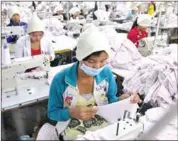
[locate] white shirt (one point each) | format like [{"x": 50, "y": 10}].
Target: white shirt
[{"x": 23, "y": 47}]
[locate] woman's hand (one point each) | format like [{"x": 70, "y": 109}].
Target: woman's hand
[
  {"x": 134, "y": 97},
  {"x": 83, "y": 113}
]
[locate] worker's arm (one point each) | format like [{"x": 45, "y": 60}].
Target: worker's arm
[
  {"x": 56, "y": 110},
  {"x": 112, "y": 89}
]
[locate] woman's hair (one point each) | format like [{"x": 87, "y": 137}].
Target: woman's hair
[
  {"x": 135, "y": 23},
  {"x": 93, "y": 54},
  {"x": 95, "y": 9},
  {"x": 154, "y": 5}
]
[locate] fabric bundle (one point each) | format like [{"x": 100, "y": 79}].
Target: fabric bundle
[
  {"x": 156, "y": 77},
  {"x": 154, "y": 115}
]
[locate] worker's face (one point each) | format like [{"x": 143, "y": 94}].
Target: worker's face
[
  {"x": 36, "y": 36},
  {"x": 16, "y": 18},
  {"x": 97, "y": 61},
  {"x": 142, "y": 28},
  {"x": 77, "y": 14}
]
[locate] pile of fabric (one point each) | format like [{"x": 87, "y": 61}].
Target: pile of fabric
[
  {"x": 156, "y": 77},
  {"x": 124, "y": 54},
  {"x": 152, "y": 116},
  {"x": 54, "y": 26}
]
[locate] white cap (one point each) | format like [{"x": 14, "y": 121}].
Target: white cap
[
  {"x": 58, "y": 8},
  {"x": 74, "y": 10},
  {"x": 13, "y": 10},
  {"x": 35, "y": 24},
  {"x": 90, "y": 41},
  {"x": 144, "y": 20}
]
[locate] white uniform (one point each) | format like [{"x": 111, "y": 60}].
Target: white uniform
[{"x": 23, "y": 47}]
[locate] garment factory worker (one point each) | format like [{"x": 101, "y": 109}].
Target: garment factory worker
[
  {"x": 76, "y": 91},
  {"x": 74, "y": 12},
  {"x": 138, "y": 30},
  {"x": 35, "y": 43},
  {"x": 14, "y": 16},
  {"x": 151, "y": 8}
]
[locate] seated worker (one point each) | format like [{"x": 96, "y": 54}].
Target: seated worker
[
  {"x": 76, "y": 91},
  {"x": 151, "y": 8},
  {"x": 35, "y": 43},
  {"x": 75, "y": 13},
  {"x": 14, "y": 16},
  {"x": 138, "y": 30}
]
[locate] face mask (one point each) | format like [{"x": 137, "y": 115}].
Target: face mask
[{"x": 91, "y": 71}]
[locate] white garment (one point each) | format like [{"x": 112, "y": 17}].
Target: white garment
[
  {"x": 47, "y": 132},
  {"x": 23, "y": 47},
  {"x": 102, "y": 15},
  {"x": 156, "y": 77},
  {"x": 153, "y": 115}
]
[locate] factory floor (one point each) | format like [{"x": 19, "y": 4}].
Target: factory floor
[{"x": 22, "y": 121}]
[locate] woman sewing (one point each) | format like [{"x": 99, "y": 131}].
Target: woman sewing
[
  {"x": 138, "y": 30},
  {"x": 76, "y": 92},
  {"x": 35, "y": 43}
]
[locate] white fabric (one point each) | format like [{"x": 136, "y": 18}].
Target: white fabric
[
  {"x": 13, "y": 10},
  {"x": 47, "y": 132},
  {"x": 102, "y": 15},
  {"x": 123, "y": 51},
  {"x": 144, "y": 20},
  {"x": 134, "y": 5},
  {"x": 35, "y": 24},
  {"x": 91, "y": 41},
  {"x": 54, "y": 26},
  {"x": 23, "y": 46},
  {"x": 88, "y": 26},
  {"x": 25, "y": 14},
  {"x": 156, "y": 77},
  {"x": 155, "y": 114}
]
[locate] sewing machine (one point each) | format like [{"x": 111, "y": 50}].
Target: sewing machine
[
  {"x": 12, "y": 30},
  {"x": 125, "y": 129},
  {"x": 145, "y": 46},
  {"x": 15, "y": 82},
  {"x": 9, "y": 31}
]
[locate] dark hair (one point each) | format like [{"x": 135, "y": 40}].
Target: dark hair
[
  {"x": 154, "y": 5},
  {"x": 135, "y": 23},
  {"x": 107, "y": 7},
  {"x": 93, "y": 54},
  {"x": 95, "y": 9}
]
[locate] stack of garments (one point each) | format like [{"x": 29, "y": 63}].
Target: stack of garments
[
  {"x": 54, "y": 26},
  {"x": 152, "y": 116},
  {"x": 156, "y": 77},
  {"x": 124, "y": 55}
]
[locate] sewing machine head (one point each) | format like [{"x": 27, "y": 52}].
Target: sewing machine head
[
  {"x": 127, "y": 128},
  {"x": 145, "y": 46},
  {"x": 12, "y": 30},
  {"x": 11, "y": 79}
]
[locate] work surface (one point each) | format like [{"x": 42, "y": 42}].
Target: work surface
[
  {"x": 39, "y": 91},
  {"x": 24, "y": 97}
]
